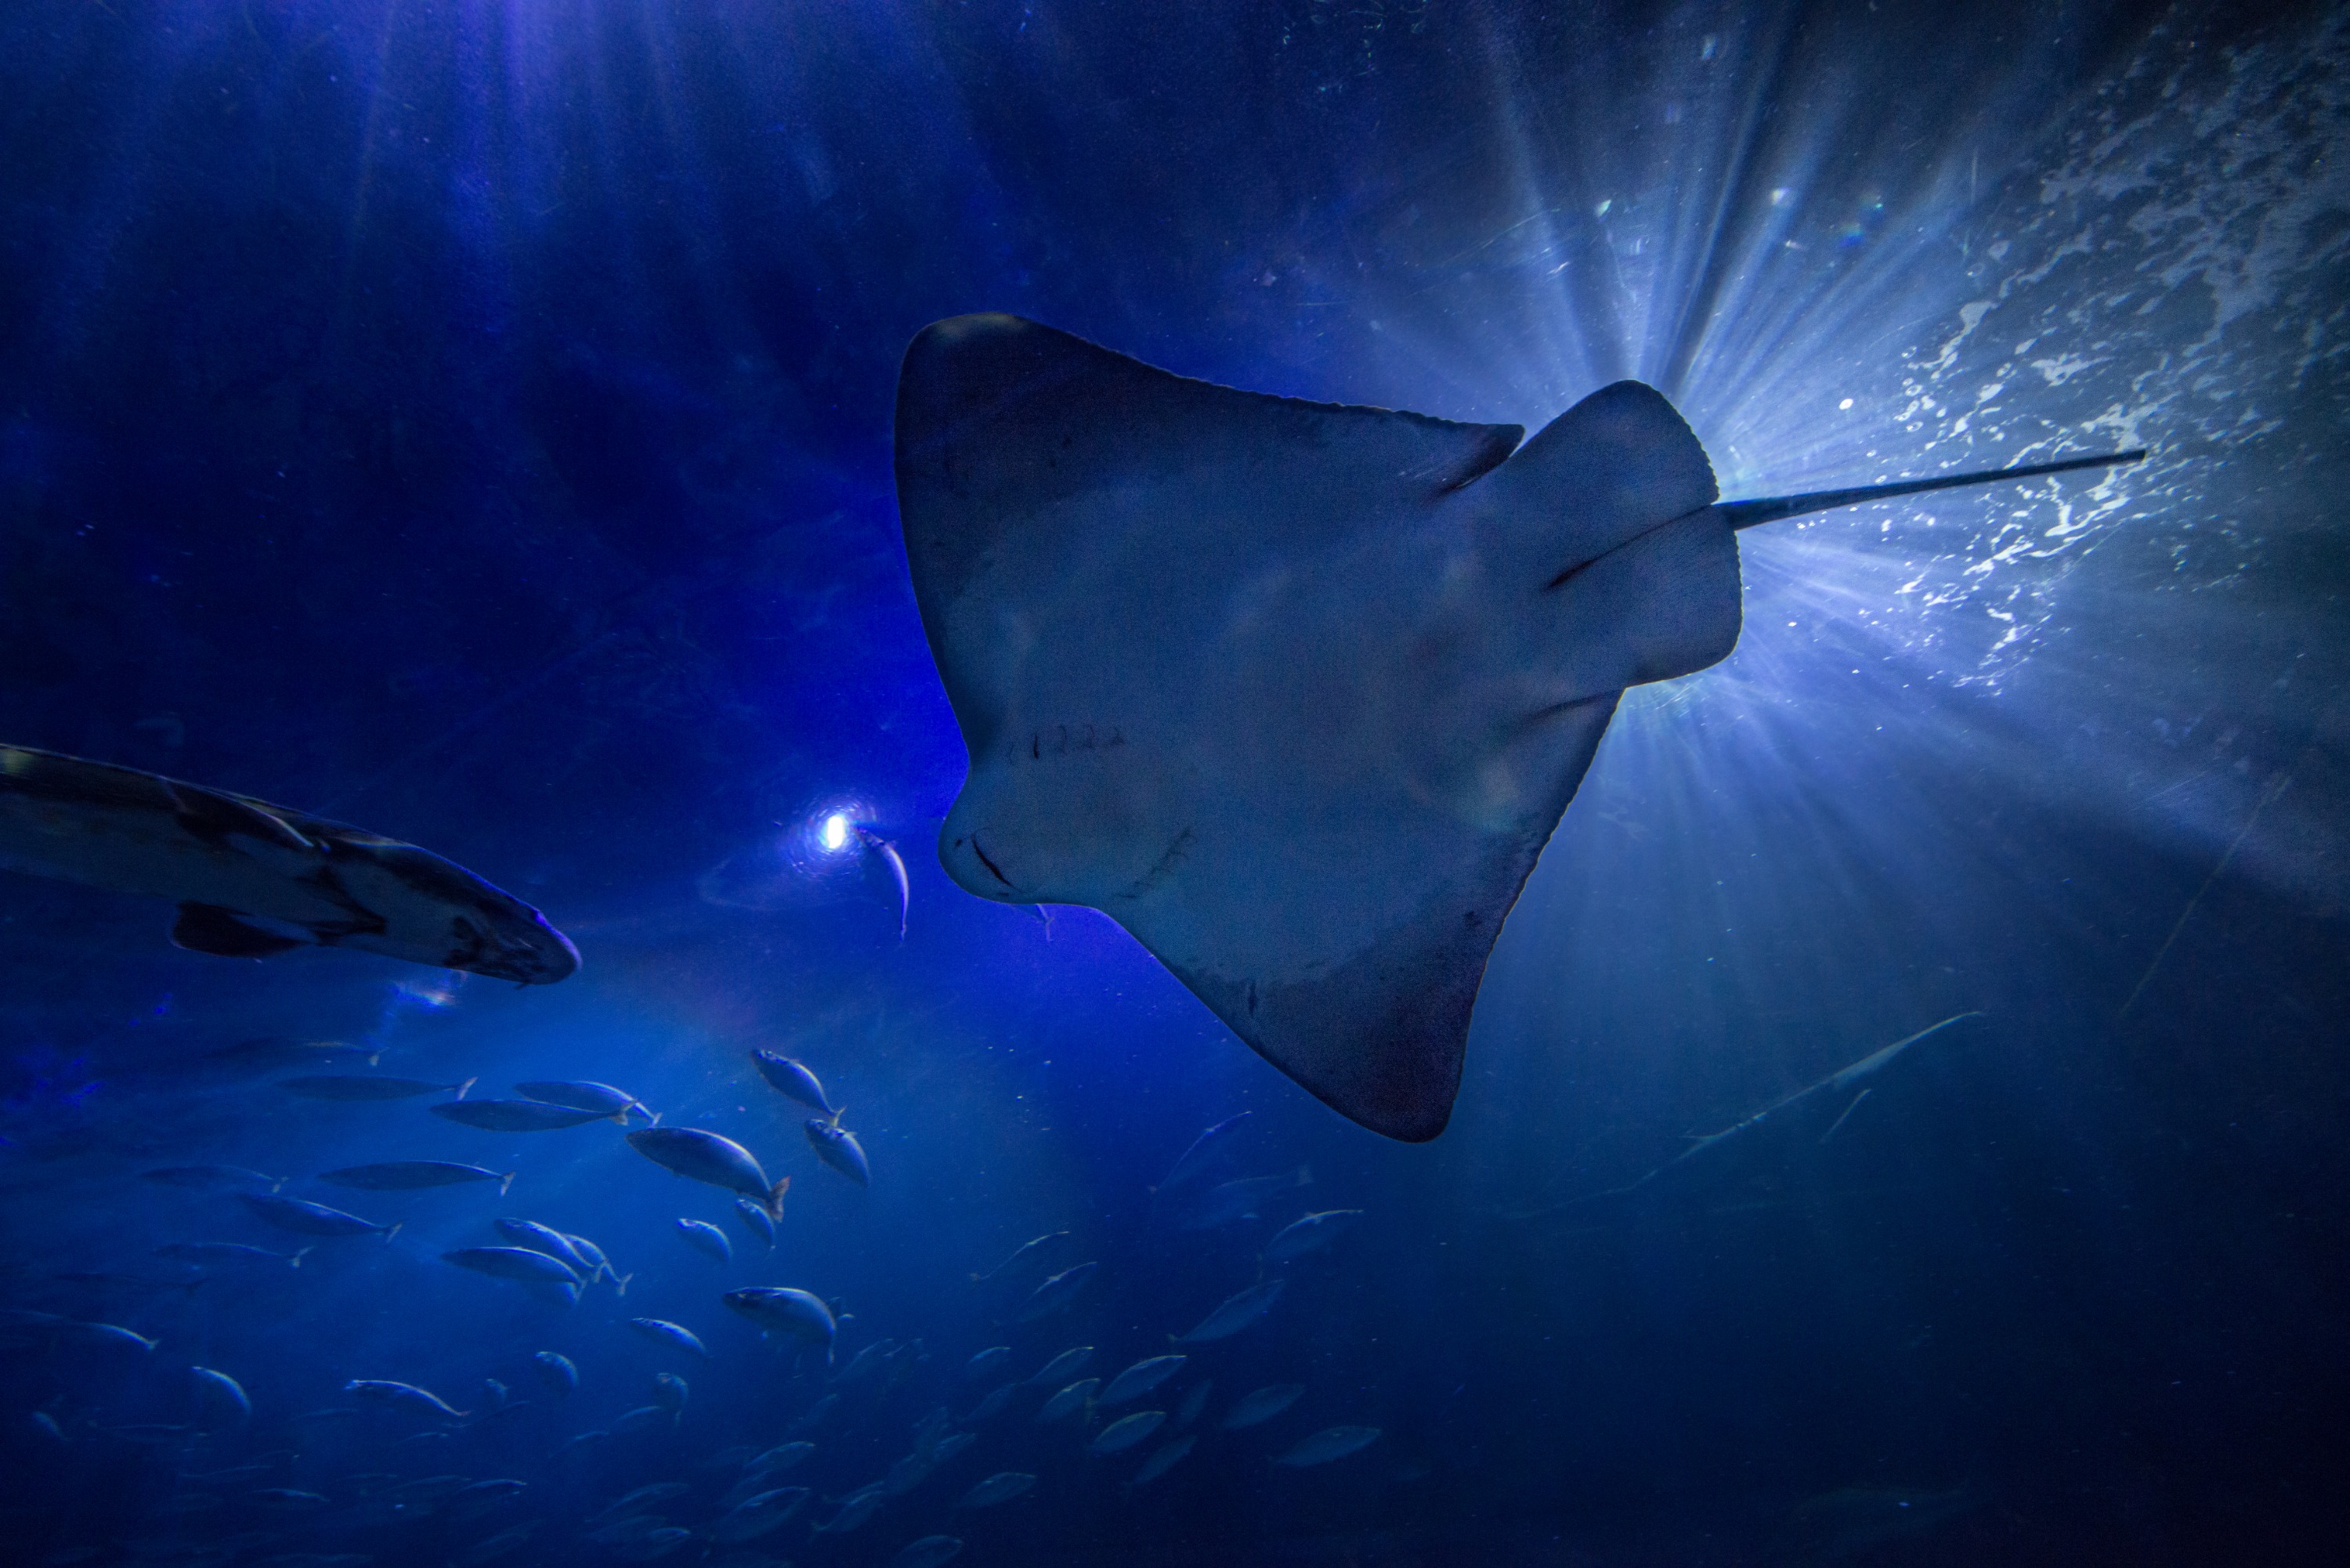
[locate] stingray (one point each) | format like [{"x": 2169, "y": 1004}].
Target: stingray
[{"x": 1295, "y": 692}]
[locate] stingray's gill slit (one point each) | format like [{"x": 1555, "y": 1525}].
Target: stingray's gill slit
[
  {"x": 991, "y": 868},
  {"x": 1247, "y": 578}
]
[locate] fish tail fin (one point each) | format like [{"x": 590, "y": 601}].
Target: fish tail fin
[
  {"x": 278, "y": 1182},
  {"x": 652, "y": 1118},
  {"x": 774, "y": 1201},
  {"x": 393, "y": 1229},
  {"x": 505, "y": 1181},
  {"x": 620, "y": 1284},
  {"x": 465, "y": 1085},
  {"x": 295, "y": 1260}
]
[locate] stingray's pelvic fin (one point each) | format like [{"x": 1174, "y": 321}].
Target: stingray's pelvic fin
[{"x": 1772, "y": 508}]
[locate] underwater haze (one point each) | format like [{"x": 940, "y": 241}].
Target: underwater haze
[{"x": 472, "y": 420}]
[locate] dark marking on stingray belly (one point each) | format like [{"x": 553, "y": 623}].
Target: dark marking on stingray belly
[
  {"x": 993, "y": 869},
  {"x": 1176, "y": 854}
]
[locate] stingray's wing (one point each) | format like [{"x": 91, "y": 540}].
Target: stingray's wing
[{"x": 1287, "y": 689}]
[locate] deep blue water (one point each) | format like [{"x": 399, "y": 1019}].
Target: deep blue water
[{"x": 473, "y": 421}]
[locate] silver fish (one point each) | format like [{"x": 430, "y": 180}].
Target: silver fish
[
  {"x": 707, "y": 1240},
  {"x": 1140, "y": 1379},
  {"x": 1001, "y": 1487},
  {"x": 514, "y": 1115},
  {"x": 228, "y": 1253},
  {"x": 930, "y": 1550},
  {"x": 252, "y": 879},
  {"x": 219, "y": 1391},
  {"x": 546, "y": 1238},
  {"x": 813, "y": 1418},
  {"x": 993, "y": 1406},
  {"x": 706, "y": 1156},
  {"x": 1235, "y": 1312},
  {"x": 1309, "y": 1234},
  {"x": 758, "y": 1515},
  {"x": 677, "y": 1336},
  {"x": 556, "y": 1373},
  {"x": 519, "y": 1264},
  {"x": 312, "y": 1218},
  {"x": 490, "y": 1548},
  {"x": 838, "y": 1147},
  {"x": 1025, "y": 1249},
  {"x": 1201, "y": 1154},
  {"x": 414, "y": 1175},
  {"x": 1064, "y": 1365},
  {"x": 1055, "y": 1294},
  {"x": 1263, "y": 1404},
  {"x": 483, "y": 1497},
  {"x": 407, "y": 1396},
  {"x": 865, "y": 1362},
  {"x": 989, "y": 1360},
  {"x": 794, "y": 1079},
  {"x": 632, "y": 1502},
  {"x": 1067, "y": 1402},
  {"x": 581, "y": 1096},
  {"x": 855, "y": 1510},
  {"x": 1166, "y": 1458},
  {"x": 213, "y": 1178},
  {"x": 884, "y": 865},
  {"x": 597, "y": 1263},
  {"x": 429, "y": 1489},
  {"x": 793, "y": 1312},
  {"x": 756, "y": 1220},
  {"x": 1230, "y": 1202},
  {"x": 779, "y": 1459},
  {"x": 1121, "y": 1434},
  {"x": 1329, "y": 1443},
  {"x": 655, "y": 1545},
  {"x": 909, "y": 1473},
  {"x": 626, "y": 1529}
]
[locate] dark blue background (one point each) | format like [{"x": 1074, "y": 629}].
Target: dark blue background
[{"x": 471, "y": 422}]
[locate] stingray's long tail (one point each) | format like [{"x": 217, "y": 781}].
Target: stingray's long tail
[{"x": 1772, "y": 508}]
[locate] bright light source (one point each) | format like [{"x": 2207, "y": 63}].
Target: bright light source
[{"x": 835, "y": 830}]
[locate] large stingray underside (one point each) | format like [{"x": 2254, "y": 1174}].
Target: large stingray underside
[{"x": 1294, "y": 692}]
